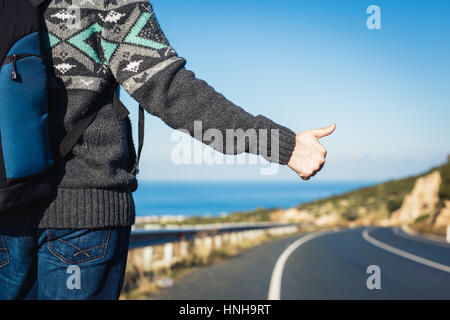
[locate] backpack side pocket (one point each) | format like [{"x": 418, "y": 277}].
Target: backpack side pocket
[{"x": 24, "y": 129}]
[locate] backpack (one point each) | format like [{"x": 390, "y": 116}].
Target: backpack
[
  {"x": 26, "y": 157},
  {"x": 25, "y": 152}
]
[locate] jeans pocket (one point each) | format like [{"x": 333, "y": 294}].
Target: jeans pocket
[
  {"x": 78, "y": 246},
  {"x": 4, "y": 254}
]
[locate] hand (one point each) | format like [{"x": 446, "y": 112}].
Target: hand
[{"x": 309, "y": 155}]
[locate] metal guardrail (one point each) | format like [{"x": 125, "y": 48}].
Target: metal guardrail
[{"x": 143, "y": 238}]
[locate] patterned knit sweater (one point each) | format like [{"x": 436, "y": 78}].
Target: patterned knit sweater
[{"x": 118, "y": 41}]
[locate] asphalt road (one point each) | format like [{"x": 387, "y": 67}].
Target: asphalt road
[{"x": 325, "y": 266}]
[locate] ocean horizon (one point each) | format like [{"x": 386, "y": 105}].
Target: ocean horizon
[{"x": 160, "y": 198}]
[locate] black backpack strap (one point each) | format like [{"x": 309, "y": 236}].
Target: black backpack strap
[
  {"x": 72, "y": 137},
  {"x": 77, "y": 131},
  {"x": 141, "y": 129},
  {"x": 123, "y": 112},
  {"x": 36, "y": 3}
]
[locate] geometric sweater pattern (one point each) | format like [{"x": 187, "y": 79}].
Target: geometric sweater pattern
[{"x": 91, "y": 46}]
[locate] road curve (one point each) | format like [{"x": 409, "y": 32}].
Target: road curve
[{"x": 331, "y": 265}]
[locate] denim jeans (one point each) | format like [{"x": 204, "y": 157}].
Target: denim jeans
[{"x": 63, "y": 264}]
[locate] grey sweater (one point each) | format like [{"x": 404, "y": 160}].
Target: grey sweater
[{"x": 119, "y": 42}]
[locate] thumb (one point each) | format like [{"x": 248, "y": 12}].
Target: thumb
[{"x": 320, "y": 133}]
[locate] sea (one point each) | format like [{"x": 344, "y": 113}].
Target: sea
[{"x": 219, "y": 198}]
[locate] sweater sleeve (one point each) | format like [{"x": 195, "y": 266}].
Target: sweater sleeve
[{"x": 141, "y": 59}]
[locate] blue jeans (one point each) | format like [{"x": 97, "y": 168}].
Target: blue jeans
[{"x": 63, "y": 264}]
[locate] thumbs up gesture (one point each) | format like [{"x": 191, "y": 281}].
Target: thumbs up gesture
[{"x": 309, "y": 155}]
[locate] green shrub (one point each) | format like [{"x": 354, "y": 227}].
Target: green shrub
[
  {"x": 394, "y": 204},
  {"x": 351, "y": 214},
  {"x": 422, "y": 218}
]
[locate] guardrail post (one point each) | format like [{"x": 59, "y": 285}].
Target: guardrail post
[
  {"x": 448, "y": 233},
  {"x": 233, "y": 238},
  {"x": 183, "y": 249},
  {"x": 218, "y": 241},
  {"x": 148, "y": 258},
  {"x": 168, "y": 254},
  {"x": 208, "y": 243}
]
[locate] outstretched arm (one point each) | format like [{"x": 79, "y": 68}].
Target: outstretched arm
[{"x": 141, "y": 59}]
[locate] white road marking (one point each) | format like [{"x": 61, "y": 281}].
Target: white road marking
[
  {"x": 277, "y": 274},
  {"x": 404, "y": 254}
]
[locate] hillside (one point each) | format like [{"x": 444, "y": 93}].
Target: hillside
[{"x": 422, "y": 201}]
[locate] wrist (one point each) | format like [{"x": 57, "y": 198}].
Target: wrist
[{"x": 286, "y": 145}]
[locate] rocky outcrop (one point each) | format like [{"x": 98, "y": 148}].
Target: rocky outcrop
[
  {"x": 292, "y": 215},
  {"x": 443, "y": 219},
  {"x": 422, "y": 201},
  {"x": 328, "y": 219}
]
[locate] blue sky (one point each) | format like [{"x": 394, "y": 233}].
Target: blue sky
[{"x": 306, "y": 64}]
